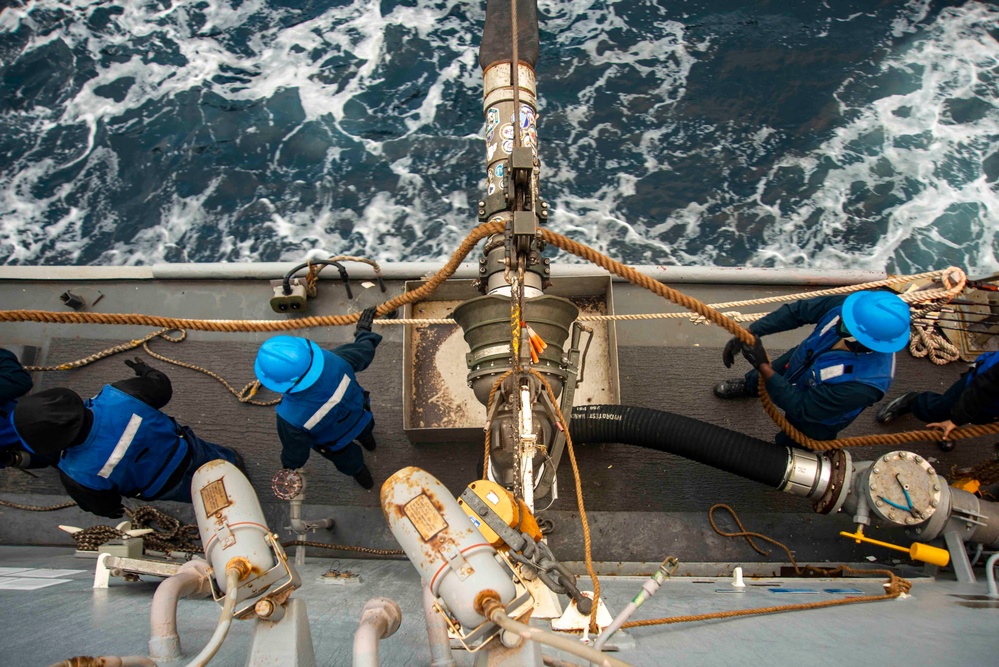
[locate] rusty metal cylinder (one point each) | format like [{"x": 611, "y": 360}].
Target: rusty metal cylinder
[
  {"x": 455, "y": 561},
  {"x": 230, "y": 519}
]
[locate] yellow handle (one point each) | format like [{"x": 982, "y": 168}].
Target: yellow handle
[{"x": 918, "y": 550}]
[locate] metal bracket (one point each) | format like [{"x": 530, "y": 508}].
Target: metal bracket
[
  {"x": 959, "y": 558},
  {"x": 493, "y": 204},
  {"x": 456, "y": 561}
]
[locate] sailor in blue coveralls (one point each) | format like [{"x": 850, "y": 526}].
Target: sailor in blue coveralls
[
  {"x": 972, "y": 399},
  {"x": 117, "y": 443},
  {"x": 14, "y": 383},
  {"x": 323, "y": 408},
  {"x": 846, "y": 364}
]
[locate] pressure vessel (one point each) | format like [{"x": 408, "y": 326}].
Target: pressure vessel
[
  {"x": 230, "y": 519},
  {"x": 454, "y": 559}
]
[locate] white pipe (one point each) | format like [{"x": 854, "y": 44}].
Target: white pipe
[
  {"x": 440, "y": 643},
  {"x": 191, "y": 579},
  {"x": 225, "y": 620},
  {"x": 301, "y": 527},
  {"x": 990, "y": 575},
  {"x": 498, "y": 616},
  {"x": 380, "y": 618}
]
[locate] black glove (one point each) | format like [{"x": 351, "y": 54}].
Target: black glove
[
  {"x": 755, "y": 354},
  {"x": 139, "y": 366},
  {"x": 731, "y": 347},
  {"x": 367, "y": 317}
]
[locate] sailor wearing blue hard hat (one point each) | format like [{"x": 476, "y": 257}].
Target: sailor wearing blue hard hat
[
  {"x": 117, "y": 443},
  {"x": 846, "y": 364},
  {"x": 323, "y": 408}
]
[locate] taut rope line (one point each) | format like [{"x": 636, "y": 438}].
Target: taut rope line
[{"x": 484, "y": 230}]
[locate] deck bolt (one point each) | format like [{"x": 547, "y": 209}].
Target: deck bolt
[{"x": 879, "y": 503}]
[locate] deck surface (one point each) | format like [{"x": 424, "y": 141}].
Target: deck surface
[
  {"x": 642, "y": 505},
  {"x": 940, "y": 623}
]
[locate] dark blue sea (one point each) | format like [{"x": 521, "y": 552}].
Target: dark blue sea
[{"x": 812, "y": 134}]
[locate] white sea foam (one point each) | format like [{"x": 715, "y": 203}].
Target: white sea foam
[{"x": 365, "y": 138}]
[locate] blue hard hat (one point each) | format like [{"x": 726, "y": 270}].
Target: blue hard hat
[
  {"x": 288, "y": 364},
  {"x": 878, "y": 320}
]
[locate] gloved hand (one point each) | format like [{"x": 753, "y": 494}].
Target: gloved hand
[
  {"x": 139, "y": 366},
  {"x": 731, "y": 347},
  {"x": 367, "y": 317},
  {"x": 755, "y": 354}
]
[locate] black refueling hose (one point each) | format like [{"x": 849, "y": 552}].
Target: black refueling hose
[
  {"x": 758, "y": 460},
  {"x": 497, "y": 42}
]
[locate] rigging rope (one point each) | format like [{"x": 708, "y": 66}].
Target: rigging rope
[{"x": 953, "y": 279}]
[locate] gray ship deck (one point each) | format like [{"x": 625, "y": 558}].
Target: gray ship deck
[
  {"x": 937, "y": 624},
  {"x": 643, "y": 506}
]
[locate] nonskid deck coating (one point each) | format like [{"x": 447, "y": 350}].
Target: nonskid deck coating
[
  {"x": 940, "y": 623},
  {"x": 642, "y": 505}
]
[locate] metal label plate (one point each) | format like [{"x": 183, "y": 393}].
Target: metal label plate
[
  {"x": 425, "y": 516},
  {"x": 214, "y": 497}
]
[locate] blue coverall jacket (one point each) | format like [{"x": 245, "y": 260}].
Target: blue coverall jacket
[
  {"x": 296, "y": 440},
  {"x": 819, "y": 409}
]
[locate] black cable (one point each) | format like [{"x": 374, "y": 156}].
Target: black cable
[{"x": 286, "y": 281}]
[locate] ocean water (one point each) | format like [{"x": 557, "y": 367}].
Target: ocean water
[{"x": 784, "y": 133}]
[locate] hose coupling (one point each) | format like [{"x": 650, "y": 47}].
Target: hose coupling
[{"x": 807, "y": 473}]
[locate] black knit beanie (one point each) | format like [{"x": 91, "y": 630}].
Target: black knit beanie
[{"x": 50, "y": 421}]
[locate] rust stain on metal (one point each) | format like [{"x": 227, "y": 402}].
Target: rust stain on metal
[{"x": 484, "y": 596}]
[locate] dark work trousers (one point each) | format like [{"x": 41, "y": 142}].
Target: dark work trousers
[
  {"x": 931, "y": 407},
  {"x": 350, "y": 459},
  {"x": 753, "y": 388},
  {"x": 202, "y": 452}
]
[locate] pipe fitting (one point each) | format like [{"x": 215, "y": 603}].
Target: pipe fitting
[
  {"x": 486, "y": 602},
  {"x": 380, "y": 618},
  {"x": 241, "y": 565}
]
